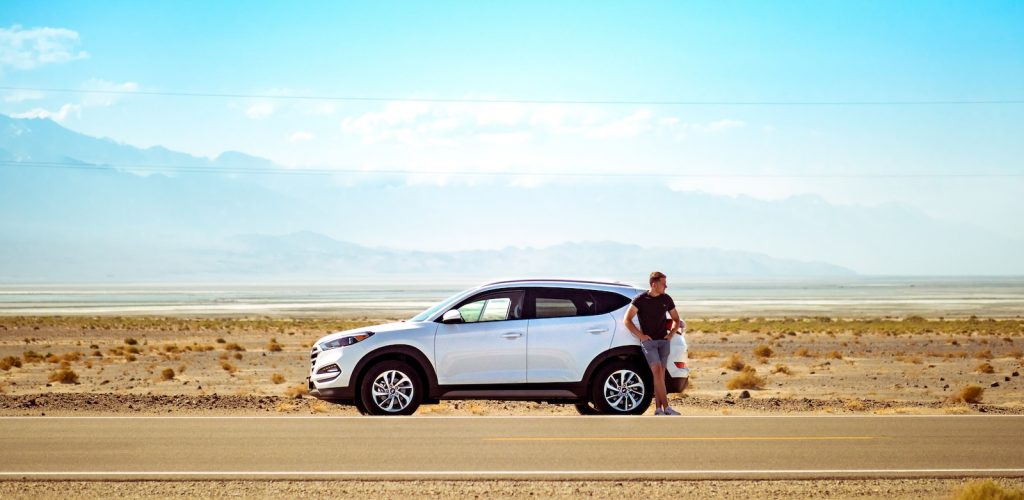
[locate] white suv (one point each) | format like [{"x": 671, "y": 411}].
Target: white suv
[{"x": 559, "y": 341}]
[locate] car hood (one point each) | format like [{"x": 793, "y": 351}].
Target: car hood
[{"x": 384, "y": 328}]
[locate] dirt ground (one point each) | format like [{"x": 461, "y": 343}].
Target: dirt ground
[
  {"x": 82, "y": 365},
  {"x": 783, "y": 489}
]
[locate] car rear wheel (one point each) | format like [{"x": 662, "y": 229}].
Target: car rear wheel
[
  {"x": 621, "y": 388},
  {"x": 391, "y": 388}
]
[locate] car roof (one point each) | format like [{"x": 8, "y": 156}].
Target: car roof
[{"x": 615, "y": 286}]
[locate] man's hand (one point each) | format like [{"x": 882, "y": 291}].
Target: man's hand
[{"x": 644, "y": 338}]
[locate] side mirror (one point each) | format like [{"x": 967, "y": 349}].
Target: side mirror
[{"x": 453, "y": 316}]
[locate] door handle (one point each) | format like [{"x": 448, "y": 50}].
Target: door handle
[
  {"x": 512, "y": 335},
  {"x": 597, "y": 330}
]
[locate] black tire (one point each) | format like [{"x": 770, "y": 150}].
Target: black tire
[
  {"x": 358, "y": 402},
  {"x": 622, "y": 402},
  {"x": 403, "y": 379},
  {"x": 584, "y": 408}
]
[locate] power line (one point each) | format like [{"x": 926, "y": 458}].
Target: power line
[
  {"x": 328, "y": 171},
  {"x": 614, "y": 102}
]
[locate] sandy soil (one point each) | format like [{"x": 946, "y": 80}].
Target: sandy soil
[
  {"x": 865, "y": 488},
  {"x": 257, "y": 366}
]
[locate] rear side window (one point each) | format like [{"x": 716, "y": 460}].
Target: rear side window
[
  {"x": 608, "y": 301},
  {"x": 561, "y": 302}
]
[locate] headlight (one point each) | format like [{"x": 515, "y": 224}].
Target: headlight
[{"x": 345, "y": 341}]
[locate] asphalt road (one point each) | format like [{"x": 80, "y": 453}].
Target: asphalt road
[{"x": 511, "y": 447}]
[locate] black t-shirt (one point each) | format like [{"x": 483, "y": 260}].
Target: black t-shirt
[{"x": 651, "y": 313}]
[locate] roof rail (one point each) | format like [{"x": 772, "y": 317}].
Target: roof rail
[{"x": 560, "y": 280}]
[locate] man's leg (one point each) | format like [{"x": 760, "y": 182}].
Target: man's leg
[{"x": 660, "y": 392}]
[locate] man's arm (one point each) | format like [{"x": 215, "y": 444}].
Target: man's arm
[
  {"x": 677, "y": 323},
  {"x": 628, "y": 321}
]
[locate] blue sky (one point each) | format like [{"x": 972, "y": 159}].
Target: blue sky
[{"x": 690, "y": 51}]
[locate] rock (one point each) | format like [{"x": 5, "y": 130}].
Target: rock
[
  {"x": 1015, "y": 374},
  {"x": 745, "y": 395},
  {"x": 728, "y": 395},
  {"x": 1006, "y": 379},
  {"x": 994, "y": 384}
]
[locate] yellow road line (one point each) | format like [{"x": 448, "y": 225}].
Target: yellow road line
[{"x": 684, "y": 438}]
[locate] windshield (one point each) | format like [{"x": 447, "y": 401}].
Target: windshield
[{"x": 444, "y": 304}]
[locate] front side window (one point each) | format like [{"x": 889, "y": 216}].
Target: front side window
[{"x": 493, "y": 307}]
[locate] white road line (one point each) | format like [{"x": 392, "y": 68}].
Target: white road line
[{"x": 513, "y": 472}]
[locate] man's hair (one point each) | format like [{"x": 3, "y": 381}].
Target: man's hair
[{"x": 656, "y": 276}]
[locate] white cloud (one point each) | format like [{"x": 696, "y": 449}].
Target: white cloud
[
  {"x": 300, "y": 136},
  {"x": 58, "y": 116},
  {"x": 26, "y": 49},
  {"x": 104, "y": 100},
  {"x": 24, "y": 95},
  {"x": 260, "y": 110}
]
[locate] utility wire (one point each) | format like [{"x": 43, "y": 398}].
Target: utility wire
[
  {"x": 327, "y": 171},
  {"x": 615, "y": 102}
]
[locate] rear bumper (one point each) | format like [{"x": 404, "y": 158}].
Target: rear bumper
[{"x": 673, "y": 384}]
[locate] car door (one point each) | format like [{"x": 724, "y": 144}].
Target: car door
[
  {"x": 489, "y": 347},
  {"x": 567, "y": 330}
]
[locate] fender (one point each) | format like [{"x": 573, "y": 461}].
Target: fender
[
  {"x": 421, "y": 360},
  {"x": 627, "y": 351}
]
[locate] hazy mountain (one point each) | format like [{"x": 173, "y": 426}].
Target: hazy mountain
[{"x": 64, "y": 216}]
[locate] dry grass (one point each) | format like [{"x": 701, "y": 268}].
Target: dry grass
[
  {"x": 277, "y": 378},
  {"x": 319, "y": 407},
  {"x": 63, "y": 376},
  {"x": 969, "y": 394},
  {"x": 167, "y": 374},
  {"x": 131, "y": 341},
  {"x": 233, "y": 347},
  {"x": 735, "y": 362},
  {"x": 285, "y": 406},
  {"x": 854, "y": 405},
  {"x": 985, "y": 354},
  {"x": 985, "y": 368},
  {"x": 834, "y": 355},
  {"x": 274, "y": 346},
  {"x": 228, "y": 367},
  {"x": 910, "y": 359},
  {"x": 779, "y": 368},
  {"x": 746, "y": 379},
  {"x": 10, "y": 362},
  {"x": 763, "y": 351},
  {"x": 803, "y": 352},
  {"x": 986, "y": 489},
  {"x": 32, "y": 357},
  {"x": 296, "y": 391}
]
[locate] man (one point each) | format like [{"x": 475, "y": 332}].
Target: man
[{"x": 651, "y": 307}]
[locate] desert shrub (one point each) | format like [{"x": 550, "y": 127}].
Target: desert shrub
[
  {"x": 763, "y": 351},
  {"x": 986, "y": 489},
  {"x": 803, "y": 352},
  {"x": 32, "y": 357},
  {"x": 735, "y": 363},
  {"x": 172, "y": 348},
  {"x": 985, "y": 368},
  {"x": 970, "y": 394},
  {"x": 835, "y": 355},
  {"x": 167, "y": 374},
  {"x": 228, "y": 367},
  {"x": 296, "y": 391},
  {"x": 63, "y": 376},
  {"x": 52, "y": 358},
  {"x": 985, "y": 354},
  {"x": 746, "y": 379},
  {"x": 131, "y": 341},
  {"x": 233, "y": 347},
  {"x": 1016, "y": 353},
  {"x": 221, "y": 341},
  {"x": 131, "y": 350},
  {"x": 318, "y": 407},
  {"x": 237, "y": 355},
  {"x": 129, "y": 358},
  {"x": 277, "y": 378},
  {"x": 10, "y": 362},
  {"x": 274, "y": 346},
  {"x": 71, "y": 356},
  {"x": 97, "y": 354},
  {"x": 782, "y": 369}
]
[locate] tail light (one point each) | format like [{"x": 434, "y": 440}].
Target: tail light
[{"x": 680, "y": 364}]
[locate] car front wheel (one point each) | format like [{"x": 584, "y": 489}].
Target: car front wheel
[{"x": 391, "y": 388}]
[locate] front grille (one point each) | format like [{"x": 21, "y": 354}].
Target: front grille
[{"x": 312, "y": 357}]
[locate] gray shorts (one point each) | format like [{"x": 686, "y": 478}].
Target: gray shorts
[{"x": 656, "y": 351}]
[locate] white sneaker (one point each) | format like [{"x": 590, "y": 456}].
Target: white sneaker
[
  {"x": 670, "y": 411},
  {"x": 659, "y": 412}
]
